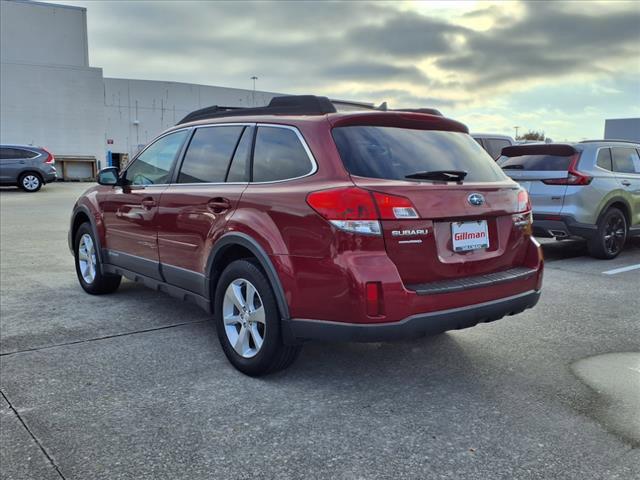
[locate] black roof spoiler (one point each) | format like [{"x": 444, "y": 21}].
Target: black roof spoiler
[{"x": 558, "y": 149}]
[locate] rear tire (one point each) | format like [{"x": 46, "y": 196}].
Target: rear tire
[
  {"x": 248, "y": 321},
  {"x": 610, "y": 237},
  {"x": 88, "y": 267},
  {"x": 30, "y": 182}
]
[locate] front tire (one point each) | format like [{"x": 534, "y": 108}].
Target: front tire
[
  {"x": 30, "y": 182},
  {"x": 611, "y": 235},
  {"x": 248, "y": 321},
  {"x": 88, "y": 267}
]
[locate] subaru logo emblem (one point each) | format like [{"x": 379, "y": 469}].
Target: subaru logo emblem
[{"x": 475, "y": 199}]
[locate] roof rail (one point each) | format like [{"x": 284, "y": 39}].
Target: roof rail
[
  {"x": 284, "y": 105},
  {"x": 609, "y": 140}
]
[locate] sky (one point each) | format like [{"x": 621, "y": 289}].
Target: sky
[{"x": 557, "y": 67}]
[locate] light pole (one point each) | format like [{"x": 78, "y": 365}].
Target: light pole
[
  {"x": 253, "y": 94},
  {"x": 516, "y": 127}
]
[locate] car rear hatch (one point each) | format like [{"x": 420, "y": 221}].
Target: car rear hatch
[
  {"x": 545, "y": 171},
  {"x": 459, "y": 227}
]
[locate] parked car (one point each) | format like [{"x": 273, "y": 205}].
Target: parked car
[
  {"x": 294, "y": 222},
  {"x": 589, "y": 190},
  {"x": 26, "y": 166},
  {"x": 493, "y": 143}
]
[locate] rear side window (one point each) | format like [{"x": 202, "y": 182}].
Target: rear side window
[
  {"x": 604, "y": 159},
  {"x": 536, "y": 162},
  {"x": 495, "y": 146},
  {"x": 279, "y": 155},
  {"x": 393, "y": 153},
  {"x": 209, "y": 154},
  {"x": 9, "y": 153},
  {"x": 625, "y": 160}
]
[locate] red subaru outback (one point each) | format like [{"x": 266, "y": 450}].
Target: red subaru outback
[{"x": 295, "y": 222}]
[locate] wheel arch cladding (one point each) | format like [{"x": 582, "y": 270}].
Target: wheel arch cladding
[
  {"x": 619, "y": 203},
  {"x": 236, "y": 245}
]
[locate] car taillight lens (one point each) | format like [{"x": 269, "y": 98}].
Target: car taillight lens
[
  {"x": 392, "y": 207},
  {"x": 351, "y": 209},
  {"x": 574, "y": 177},
  {"x": 354, "y": 210},
  {"x": 524, "y": 203},
  {"x": 50, "y": 160}
]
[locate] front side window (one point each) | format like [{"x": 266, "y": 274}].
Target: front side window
[
  {"x": 153, "y": 165},
  {"x": 209, "y": 154},
  {"x": 625, "y": 160},
  {"x": 394, "y": 153},
  {"x": 279, "y": 155}
]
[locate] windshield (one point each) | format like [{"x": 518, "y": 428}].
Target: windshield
[{"x": 395, "y": 153}]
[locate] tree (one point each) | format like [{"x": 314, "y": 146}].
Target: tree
[{"x": 532, "y": 135}]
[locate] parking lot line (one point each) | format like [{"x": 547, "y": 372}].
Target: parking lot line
[{"x": 622, "y": 269}]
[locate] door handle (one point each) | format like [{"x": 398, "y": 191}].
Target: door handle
[
  {"x": 219, "y": 205},
  {"x": 148, "y": 203},
  {"x": 626, "y": 183}
]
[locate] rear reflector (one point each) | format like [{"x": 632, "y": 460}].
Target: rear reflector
[
  {"x": 574, "y": 177},
  {"x": 374, "y": 299}
]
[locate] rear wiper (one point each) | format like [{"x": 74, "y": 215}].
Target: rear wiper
[
  {"x": 513, "y": 167},
  {"x": 442, "y": 175}
]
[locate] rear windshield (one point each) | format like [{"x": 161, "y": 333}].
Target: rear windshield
[
  {"x": 535, "y": 162},
  {"x": 394, "y": 153}
]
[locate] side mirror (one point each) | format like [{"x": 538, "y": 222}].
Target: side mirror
[{"x": 108, "y": 176}]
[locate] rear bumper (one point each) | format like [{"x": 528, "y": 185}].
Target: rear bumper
[
  {"x": 414, "y": 326},
  {"x": 561, "y": 226}
]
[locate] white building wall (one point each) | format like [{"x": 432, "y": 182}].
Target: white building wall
[
  {"x": 41, "y": 33},
  {"x": 48, "y": 95},
  {"x": 136, "y": 111}
]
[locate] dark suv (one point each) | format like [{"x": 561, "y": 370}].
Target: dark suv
[{"x": 295, "y": 222}]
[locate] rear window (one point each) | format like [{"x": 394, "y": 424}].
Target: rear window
[
  {"x": 535, "y": 162},
  {"x": 393, "y": 153}
]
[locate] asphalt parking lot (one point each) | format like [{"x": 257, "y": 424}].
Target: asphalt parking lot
[{"x": 135, "y": 386}]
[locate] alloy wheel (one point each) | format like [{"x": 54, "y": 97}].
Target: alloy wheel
[
  {"x": 243, "y": 315},
  {"x": 614, "y": 234},
  {"x": 30, "y": 182},
  {"x": 87, "y": 258}
]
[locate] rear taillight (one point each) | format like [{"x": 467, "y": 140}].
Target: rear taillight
[
  {"x": 392, "y": 207},
  {"x": 574, "y": 177},
  {"x": 356, "y": 210},
  {"x": 50, "y": 160},
  {"x": 524, "y": 203}
]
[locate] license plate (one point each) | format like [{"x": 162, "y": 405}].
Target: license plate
[{"x": 469, "y": 235}]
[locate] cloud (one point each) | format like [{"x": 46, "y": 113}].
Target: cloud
[
  {"x": 547, "y": 42},
  {"x": 465, "y": 62}
]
